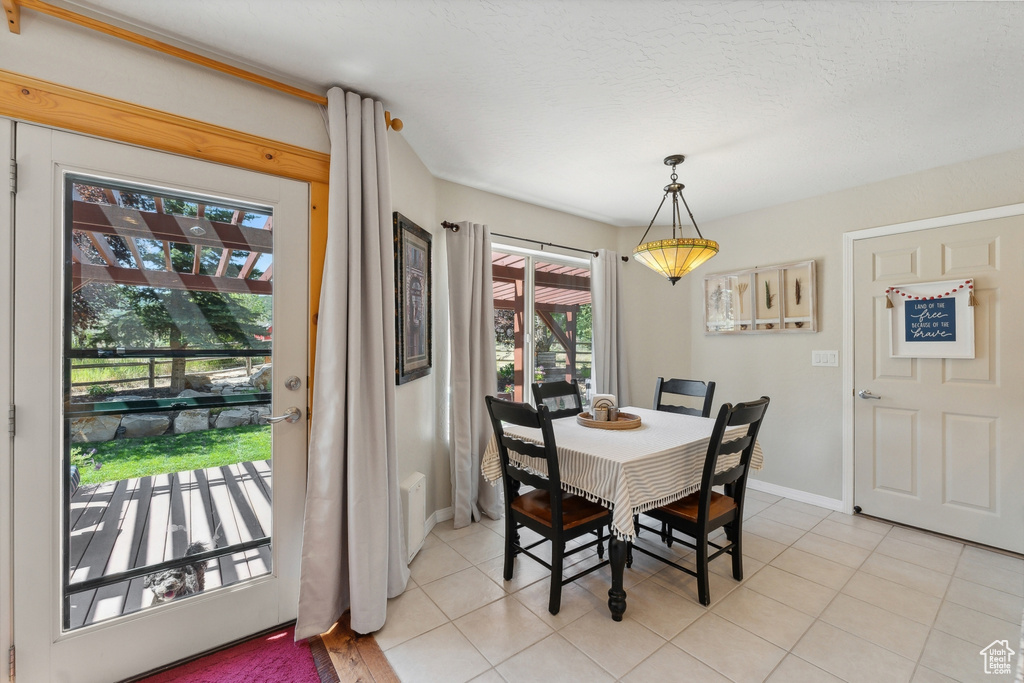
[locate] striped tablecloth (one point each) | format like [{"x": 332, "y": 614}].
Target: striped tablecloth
[{"x": 629, "y": 470}]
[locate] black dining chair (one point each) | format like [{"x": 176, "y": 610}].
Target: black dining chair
[
  {"x": 700, "y": 513},
  {"x": 684, "y": 387},
  {"x": 561, "y": 398},
  {"x": 559, "y": 517}
]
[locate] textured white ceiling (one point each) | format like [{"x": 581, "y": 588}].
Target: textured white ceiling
[{"x": 572, "y": 104}]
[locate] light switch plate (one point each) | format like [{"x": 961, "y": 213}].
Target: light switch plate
[{"x": 827, "y": 359}]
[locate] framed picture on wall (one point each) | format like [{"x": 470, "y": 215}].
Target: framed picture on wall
[
  {"x": 767, "y": 299},
  {"x": 413, "y": 309},
  {"x": 932, "y": 319}
]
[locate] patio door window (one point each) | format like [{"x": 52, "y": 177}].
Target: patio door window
[
  {"x": 167, "y": 357},
  {"x": 553, "y": 293}
]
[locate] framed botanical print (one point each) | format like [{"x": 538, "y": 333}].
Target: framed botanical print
[
  {"x": 413, "y": 309},
  {"x": 768, "y": 299}
]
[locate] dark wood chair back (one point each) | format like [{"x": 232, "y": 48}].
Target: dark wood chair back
[
  {"x": 556, "y": 394},
  {"x": 700, "y": 513},
  {"x": 684, "y": 387},
  {"x": 558, "y": 517},
  {"x": 524, "y": 415},
  {"x": 735, "y": 478}
]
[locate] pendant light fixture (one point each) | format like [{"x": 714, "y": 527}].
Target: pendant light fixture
[{"x": 675, "y": 257}]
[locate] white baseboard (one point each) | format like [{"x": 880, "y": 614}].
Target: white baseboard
[
  {"x": 439, "y": 516},
  {"x": 795, "y": 494}
]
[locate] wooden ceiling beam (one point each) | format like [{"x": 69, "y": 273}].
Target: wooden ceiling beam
[
  {"x": 250, "y": 263},
  {"x": 116, "y": 220},
  {"x": 225, "y": 260},
  {"x": 132, "y": 247},
  {"x": 509, "y": 304},
  {"x": 103, "y": 247},
  {"x": 541, "y": 278},
  {"x": 161, "y": 279}
]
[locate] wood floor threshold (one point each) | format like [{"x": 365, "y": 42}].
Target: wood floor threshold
[{"x": 355, "y": 657}]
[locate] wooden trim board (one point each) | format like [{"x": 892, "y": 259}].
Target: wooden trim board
[
  {"x": 30, "y": 99},
  {"x": 36, "y": 101}
]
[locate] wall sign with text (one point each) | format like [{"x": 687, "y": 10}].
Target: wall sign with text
[{"x": 932, "y": 319}]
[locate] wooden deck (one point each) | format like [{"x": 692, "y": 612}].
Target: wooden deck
[{"x": 120, "y": 525}]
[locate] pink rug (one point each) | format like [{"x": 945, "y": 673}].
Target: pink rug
[{"x": 272, "y": 658}]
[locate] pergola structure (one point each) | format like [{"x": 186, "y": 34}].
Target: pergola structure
[
  {"x": 557, "y": 289},
  {"x": 115, "y": 243}
]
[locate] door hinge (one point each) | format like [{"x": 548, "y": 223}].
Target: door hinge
[
  {"x": 14, "y": 177},
  {"x": 10, "y": 673},
  {"x": 10, "y": 420}
]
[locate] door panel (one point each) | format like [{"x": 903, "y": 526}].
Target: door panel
[
  {"x": 941, "y": 449},
  {"x": 85, "y": 552},
  {"x": 896, "y": 450}
]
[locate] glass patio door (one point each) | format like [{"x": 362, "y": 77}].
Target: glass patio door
[
  {"x": 554, "y": 292},
  {"x": 160, "y": 371}
]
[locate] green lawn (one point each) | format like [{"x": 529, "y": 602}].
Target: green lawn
[{"x": 129, "y": 458}]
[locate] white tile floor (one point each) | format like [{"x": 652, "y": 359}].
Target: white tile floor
[{"x": 826, "y": 597}]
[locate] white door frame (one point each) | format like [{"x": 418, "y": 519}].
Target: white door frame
[
  {"x": 6, "y": 361},
  {"x": 849, "y": 239},
  {"x": 223, "y": 615}
]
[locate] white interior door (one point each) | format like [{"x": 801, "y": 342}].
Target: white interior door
[
  {"x": 149, "y": 262},
  {"x": 941, "y": 448}
]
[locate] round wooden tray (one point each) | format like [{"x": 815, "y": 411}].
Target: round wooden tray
[{"x": 625, "y": 421}]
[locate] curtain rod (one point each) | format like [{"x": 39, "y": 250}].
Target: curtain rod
[
  {"x": 13, "y": 12},
  {"x": 454, "y": 227}
]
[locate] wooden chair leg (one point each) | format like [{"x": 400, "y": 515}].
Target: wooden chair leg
[
  {"x": 555, "y": 599},
  {"x": 703, "y": 587},
  {"x": 736, "y": 537},
  {"x": 511, "y": 540},
  {"x": 600, "y": 543}
]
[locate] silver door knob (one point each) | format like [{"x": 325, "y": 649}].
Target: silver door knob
[
  {"x": 291, "y": 415},
  {"x": 864, "y": 393}
]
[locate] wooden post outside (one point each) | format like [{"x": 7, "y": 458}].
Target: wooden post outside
[{"x": 519, "y": 336}]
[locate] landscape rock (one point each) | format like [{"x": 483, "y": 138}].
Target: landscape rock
[
  {"x": 136, "y": 426},
  {"x": 94, "y": 428},
  {"x": 262, "y": 378},
  {"x": 196, "y": 382},
  {"x": 257, "y": 412},
  {"x": 192, "y": 393},
  {"x": 192, "y": 421},
  {"x": 233, "y": 418}
]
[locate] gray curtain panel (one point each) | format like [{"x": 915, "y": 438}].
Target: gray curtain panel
[
  {"x": 474, "y": 370},
  {"x": 610, "y": 372},
  {"x": 353, "y": 555}
]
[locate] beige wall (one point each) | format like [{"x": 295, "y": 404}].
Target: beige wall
[
  {"x": 66, "y": 54},
  {"x": 802, "y": 434},
  {"x": 420, "y": 405}
]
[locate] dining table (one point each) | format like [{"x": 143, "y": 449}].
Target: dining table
[{"x": 629, "y": 471}]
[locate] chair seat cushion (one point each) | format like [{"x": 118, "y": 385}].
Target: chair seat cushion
[
  {"x": 576, "y": 510},
  {"x": 687, "y": 507}
]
